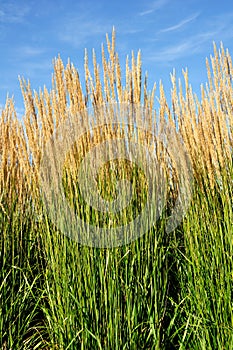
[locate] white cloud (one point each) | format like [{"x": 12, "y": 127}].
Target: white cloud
[
  {"x": 76, "y": 30},
  {"x": 172, "y": 52},
  {"x": 208, "y": 30},
  {"x": 12, "y": 12},
  {"x": 27, "y": 51},
  {"x": 156, "y": 5},
  {"x": 183, "y": 48},
  {"x": 180, "y": 24},
  {"x": 38, "y": 68}
]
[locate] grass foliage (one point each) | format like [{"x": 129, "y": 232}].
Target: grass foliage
[{"x": 162, "y": 290}]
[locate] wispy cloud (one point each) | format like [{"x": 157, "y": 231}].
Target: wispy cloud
[
  {"x": 172, "y": 52},
  {"x": 34, "y": 68},
  {"x": 185, "y": 47},
  {"x": 78, "y": 29},
  {"x": 27, "y": 51},
  {"x": 186, "y": 44},
  {"x": 180, "y": 24},
  {"x": 156, "y": 5},
  {"x": 13, "y": 12}
]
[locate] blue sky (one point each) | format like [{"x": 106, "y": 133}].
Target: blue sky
[{"x": 170, "y": 33}]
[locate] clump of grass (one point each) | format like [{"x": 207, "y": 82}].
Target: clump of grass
[
  {"x": 160, "y": 291},
  {"x": 206, "y": 270}
]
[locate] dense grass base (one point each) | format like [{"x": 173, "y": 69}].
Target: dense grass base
[{"x": 159, "y": 292}]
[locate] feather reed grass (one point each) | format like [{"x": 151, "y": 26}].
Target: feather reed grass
[{"x": 160, "y": 291}]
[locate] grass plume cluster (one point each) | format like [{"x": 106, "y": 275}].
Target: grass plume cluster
[{"x": 161, "y": 291}]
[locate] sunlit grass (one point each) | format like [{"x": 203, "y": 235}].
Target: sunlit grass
[{"x": 160, "y": 291}]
